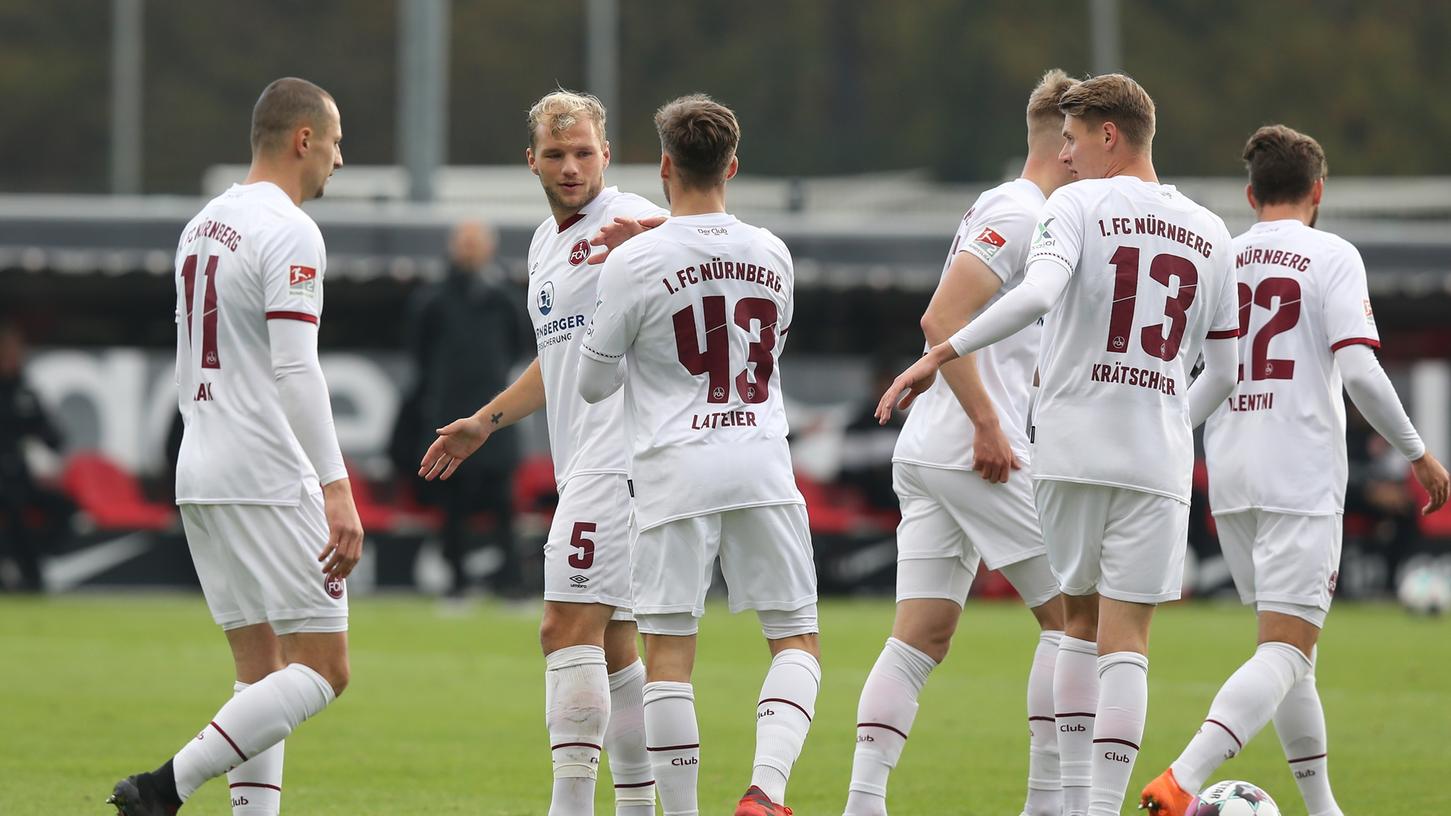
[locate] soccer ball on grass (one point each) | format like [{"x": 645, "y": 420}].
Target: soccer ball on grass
[{"x": 1233, "y": 798}]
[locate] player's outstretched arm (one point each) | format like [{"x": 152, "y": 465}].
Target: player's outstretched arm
[
  {"x": 1216, "y": 381},
  {"x": 1371, "y": 391},
  {"x": 619, "y": 231},
  {"x": 459, "y": 439},
  {"x": 966, "y": 286},
  {"x": 599, "y": 379},
  {"x": 1042, "y": 286}
]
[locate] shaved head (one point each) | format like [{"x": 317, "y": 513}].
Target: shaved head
[{"x": 286, "y": 105}]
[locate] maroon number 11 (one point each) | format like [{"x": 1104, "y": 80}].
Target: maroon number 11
[{"x": 209, "y": 307}]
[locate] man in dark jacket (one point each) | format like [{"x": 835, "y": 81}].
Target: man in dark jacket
[
  {"x": 465, "y": 334},
  {"x": 21, "y": 416}
]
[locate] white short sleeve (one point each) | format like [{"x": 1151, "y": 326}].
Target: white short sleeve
[
  {"x": 617, "y": 315},
  {"x": 1348, "y": 316},
  {"x": 292, "y": 266},
  {"x": 988, "y": 234},
  {"x": 1058, "y": 236}
]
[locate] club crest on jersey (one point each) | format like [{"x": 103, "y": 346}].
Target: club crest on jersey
[
  {"x": 302, "y": 280},
  {"x": 546, "y": 298},
  {"x": 579, "y": 253},
  {"x": 334, "y": 587}
]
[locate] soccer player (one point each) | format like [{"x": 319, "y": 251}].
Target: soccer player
[
  {"x": 1139, "y": 281},
  {"x": 265, "y": 500},
  {"x": 1277, "y": 464},
  {"x": 593, "y": 678},
  {"x": 952, "y": 518},
  {"x": 698, "y": 309}
]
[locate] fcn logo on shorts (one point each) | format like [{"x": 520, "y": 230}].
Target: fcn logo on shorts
[{"x": 334, "y": 587}]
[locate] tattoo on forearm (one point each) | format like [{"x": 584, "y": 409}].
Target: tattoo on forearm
[{"x": 496, "y": 417}]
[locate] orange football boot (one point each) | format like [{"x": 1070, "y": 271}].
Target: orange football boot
[
  {"x": 757, "y": 803},
  {"x": 1166, "y": 797}
]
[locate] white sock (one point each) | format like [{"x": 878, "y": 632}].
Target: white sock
[
  {"x": 673, "y": 739},
  {"x": 254, "y": 720},
  {"x": 783, "y": 716},
  {"x": 1123, "y": 703},
  {"x": 256, "y": 785},
  {"x": 1244, "y": 705},
  {"x": 1300, "y": 722},
  {"x": 884, "y": 719},
  {"x": 1075, "y": 704},
  {"x": 576, "y": 710},
  {"x": 625, "y": 743},
  {"x": 1045, "y": 787}
]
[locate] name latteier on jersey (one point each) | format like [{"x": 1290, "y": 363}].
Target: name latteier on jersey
[{"x": 717, "y": 269}]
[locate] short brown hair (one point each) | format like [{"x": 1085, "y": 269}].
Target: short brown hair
[
  {"x": 563, "y": 109},
  {"x": 1043, "y": 101},
  {"x": 700, "y": 136},
  {"x": 285, "y": 105},
  {"x": 1113, "y": 98},
  {"x": 1283, "y": 163}
]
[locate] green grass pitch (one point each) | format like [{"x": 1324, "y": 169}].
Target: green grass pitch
[{"x": 445, "y": 713}]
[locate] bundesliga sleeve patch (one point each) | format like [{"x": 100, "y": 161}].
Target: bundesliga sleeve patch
[
  {"x": 1369, "y": 313},
  {"x": 302, "y": 280},
  {"x": 987, "y": 243}
]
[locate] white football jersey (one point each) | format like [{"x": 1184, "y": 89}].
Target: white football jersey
[
  {"x": 997, "y": 231},
  {"x": 1151, "y": 278},
  {"x": 699, "y": 308},
  {"x": 583, "y": 438},
  {"x": 251, "y": 255},
  {"x": 1278, "y": 443}
]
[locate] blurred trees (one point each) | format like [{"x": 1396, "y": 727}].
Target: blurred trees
[{"x": 821, "y": 86}]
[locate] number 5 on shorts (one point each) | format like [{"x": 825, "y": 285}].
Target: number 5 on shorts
[{"x": 585, "y": 558}]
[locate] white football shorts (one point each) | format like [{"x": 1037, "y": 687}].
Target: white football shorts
[
  {"x": 765, "y": 557},
  {"x": 1283, "y": 562},
  {"x": 1124, "y": 544},
  {"x": 951, "y": 519},
  {"x": 258, "y": 564},
  {"x": 587, "y": 554}
]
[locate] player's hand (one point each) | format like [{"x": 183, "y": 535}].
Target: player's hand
[
  {"x": 1432, "y": 476},
  {"x": 344, "y": 531},
  {"x": 916, "y": 379},
  {"x": 456, "y": 442},
  {"x": 992, "y": 456},
  {"x": 621, "y": 230}
]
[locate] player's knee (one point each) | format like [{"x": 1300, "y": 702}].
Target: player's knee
[{"x": 560, "y": 630}]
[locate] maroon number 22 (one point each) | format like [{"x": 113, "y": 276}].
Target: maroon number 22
[{"x": 209, "y": 307}]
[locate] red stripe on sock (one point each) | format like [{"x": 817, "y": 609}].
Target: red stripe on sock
[
  {"x": 796, "y": 706},
  {"x": 1040, "y": 719},
  {"x": 1116, "y": 741},
  {"x": 636, "y": 784},
  {"x": 1237, "y": 742},
  {"x": 575, "y": 745},
  {"x": 1062, "y": 714},
  {"x": 256, "y": 785},
  {"x": 1308, "y": 759},
  {"x": 673, "y": 747},
  {"x": 899, "y": 733},
  {"x": 229, "y": 741}
]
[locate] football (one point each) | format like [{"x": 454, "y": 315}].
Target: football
[
  {"x": 1233, "y": 798},
  {"x": 1425, "y": 589}
]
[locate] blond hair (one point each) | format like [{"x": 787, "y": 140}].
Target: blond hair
[
  {"x": 1283, "y": 164},
  {"x": 1043, "y": 101},
  {"x": 563, "y": 109},
  {"x": 700, "y": 135},
  {"x": 1113, "y": 98}
]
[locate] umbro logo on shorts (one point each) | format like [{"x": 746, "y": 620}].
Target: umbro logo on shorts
[
  {"x": 579, "y": 580},
  {"x": 334, "y": 587}
]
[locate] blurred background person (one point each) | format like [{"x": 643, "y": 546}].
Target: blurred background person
[
  {"x": 22, "y": 501},
  {"x": 464, "y": 335}
]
